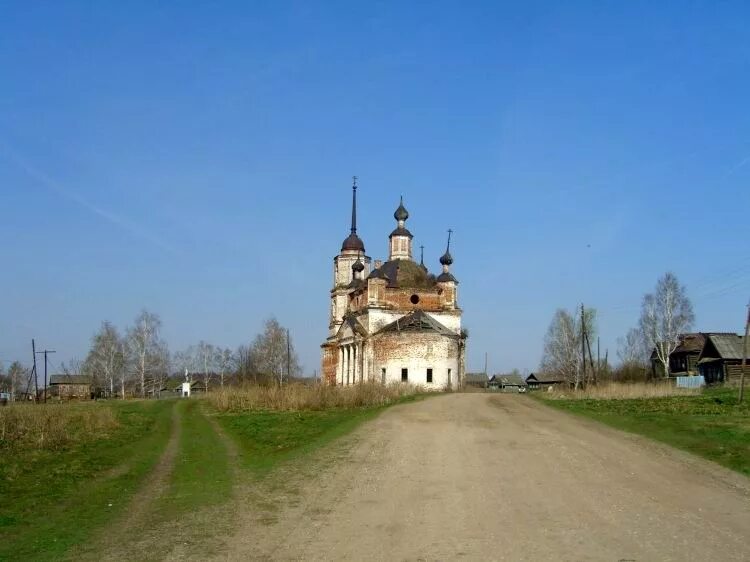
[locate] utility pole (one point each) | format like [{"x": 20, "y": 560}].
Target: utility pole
[
  {"x": 45, "y": 352},
  {"x": 485, "y": 363},
  {"x": 288, "y": 357},
  {"x": 36, "y": 378},
  {"x": 583, "y": 346},
  {"x": 744, "y": 354}
]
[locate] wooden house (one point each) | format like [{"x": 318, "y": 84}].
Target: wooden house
[
  {"x": 721, "y": 358},
  {"x": 508, "y": 383},
  {"x": 71, "y": 387},
  {"x": 683, "y": 361},
  {"x": 542, "y": 380}
]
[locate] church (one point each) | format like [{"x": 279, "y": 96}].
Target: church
[{"x": 393, "y": 321}]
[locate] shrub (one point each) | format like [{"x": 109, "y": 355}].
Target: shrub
[
  {"x": 296, "y": 397},
  {"x": 622, "y": 391},
  {"x": 49, "y": 426}
]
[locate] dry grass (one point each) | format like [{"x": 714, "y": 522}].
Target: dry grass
[
  {"x": 622, "y": 391},
  {"x": 297, "y": 397},
  {"x": 49, "y": 426}
]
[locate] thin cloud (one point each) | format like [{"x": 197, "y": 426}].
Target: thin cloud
[
  {"x": 108, "y": 216},
  {"x": 738, "y": 166}
]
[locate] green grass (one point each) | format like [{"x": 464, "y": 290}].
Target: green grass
[
  {"x": 51, "y": 500},
  {"x": 201, "y": 476},
  {"x": 267, "y": 438},
  {"x": 710, "y": 424}
]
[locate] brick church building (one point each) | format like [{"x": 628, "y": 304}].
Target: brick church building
[{"x": 393, "y": 321}]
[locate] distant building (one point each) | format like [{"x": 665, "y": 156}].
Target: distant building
[
  {"x": 392, "y": 321},
  {"x": 71, "y": 387},
  {"x": 540, "y": 380},
  {"x": 683, "y": 361},
  {"x": 508, "y": 383},
  {"x": 476, "y": 380}
]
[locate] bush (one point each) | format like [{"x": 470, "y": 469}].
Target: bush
[
  {"x": 49, "y": 426},
  {"x": 622, "y": 391},
  {"x": 296, "y": 396}
]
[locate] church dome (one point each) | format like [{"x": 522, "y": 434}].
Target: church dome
[
  {"x": 401, "y": 213},
  {"x": 446, "y": 259},
  {"x": 353, "y": 242},
  {"x": 358, "y": 266}
]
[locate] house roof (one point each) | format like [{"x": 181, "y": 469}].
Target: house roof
[
  {"x": 509, "y": 380},
  {"x": 70, "y": 379},
  {"x": 542, "y": 378},
  {"x": 727, "y": 345},
  {"x": 417, "y": 321}
]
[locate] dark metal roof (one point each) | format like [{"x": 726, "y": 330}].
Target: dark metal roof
[
  {"x": 446, "y": 277},
  {"x": 401, "y": 213},
  {"x": 400, "y": 232},
  {"x": 418, "y": 321},
  {"x": 542, "y": 378},
  {"x": 353, "y": 242},
  {"x": 70, "y": 379}
]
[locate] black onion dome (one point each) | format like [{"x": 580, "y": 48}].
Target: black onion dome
[
  {"x": 358, "y": 266},
  {"x": 353, "y": 242},
  {"x": 401, "y": 213},
  {"x": 446, "y": 259}
]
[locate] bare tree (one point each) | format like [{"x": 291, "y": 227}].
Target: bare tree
[
  {"x": 563, "y": 345},
  {"x": 269, "y": 352},
  {"x": 665, "y": 315},
  {"x": 145, "y": 349},
  {"x": 17, "y": 373},
  {"x": 632, "y": 349},
  {"x": 206, "y": 355},
  {"x": 106, "y": 358},
  {"x": 224, "y": 360}
]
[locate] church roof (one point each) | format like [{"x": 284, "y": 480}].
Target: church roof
[
  {"x": 401, "y": 232},
  {"x": 417, "y": 321},
  {"x": 404, "y": 273},
  {"x": 352, "y": 322},
  {"x": 445, "y": 277}
]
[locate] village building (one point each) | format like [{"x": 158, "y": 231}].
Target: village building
[
  {"x": 392, "y": 321},
  {"x": 721, "y": 358},
  {"x": 71, "y": 387},
  {"x": 683, "y": 361}
]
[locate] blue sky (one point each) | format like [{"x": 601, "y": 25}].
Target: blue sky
[{"x": 196, "y": 161}]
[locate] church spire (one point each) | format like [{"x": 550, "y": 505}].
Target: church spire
[
  {"x": 353, "y": 242},
  {"x": 354, "y": 204}
]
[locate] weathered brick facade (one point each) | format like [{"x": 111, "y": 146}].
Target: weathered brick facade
[{"x": 393, "y": 322}]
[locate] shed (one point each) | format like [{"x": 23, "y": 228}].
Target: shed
[
  {"x": 721, "y": 358},
  {"x": 71, "y": 387}
]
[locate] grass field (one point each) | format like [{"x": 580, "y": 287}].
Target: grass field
[
  {"x": 72, "y": 497},
  {"x": 53, "y": 498},
  {"x": 710, "y": 424}
]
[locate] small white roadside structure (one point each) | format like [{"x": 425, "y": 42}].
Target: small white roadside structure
[{"x": 186, "y": 386}]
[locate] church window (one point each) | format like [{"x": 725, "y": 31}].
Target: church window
[
  {"x": 414, "y": 299},
  {"x": 404, "y": 375},
  {"x": 449, "y": 377},
  {"x": 382, "y": 374},
  {"x": 429, "y": 375}
]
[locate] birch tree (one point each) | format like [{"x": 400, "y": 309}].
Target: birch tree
[
  {"x": 17, "y": 373},
  {"x": 632, "y": 349},
  {"x": 145, "y": 349},
  {"x": 269, "y": 352},
  {"x": 224, "y": 360},
  {"x": 665, "y": 315},
  {"x": 563, "y": 345},
  {"x": 206, "y": 355},
  {"x": 106, "y": 358}
]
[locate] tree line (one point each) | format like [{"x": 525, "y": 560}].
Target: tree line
[
  {"x": 666, "y": 314},
  {"x": 137, "y": 360}
]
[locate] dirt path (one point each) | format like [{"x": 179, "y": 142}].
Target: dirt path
[
  {"x": 115, "y": 540},
  {"x": 499, "y": 477}
]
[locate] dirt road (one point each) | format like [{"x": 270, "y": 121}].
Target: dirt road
[{"x": 499, "y": 477}]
